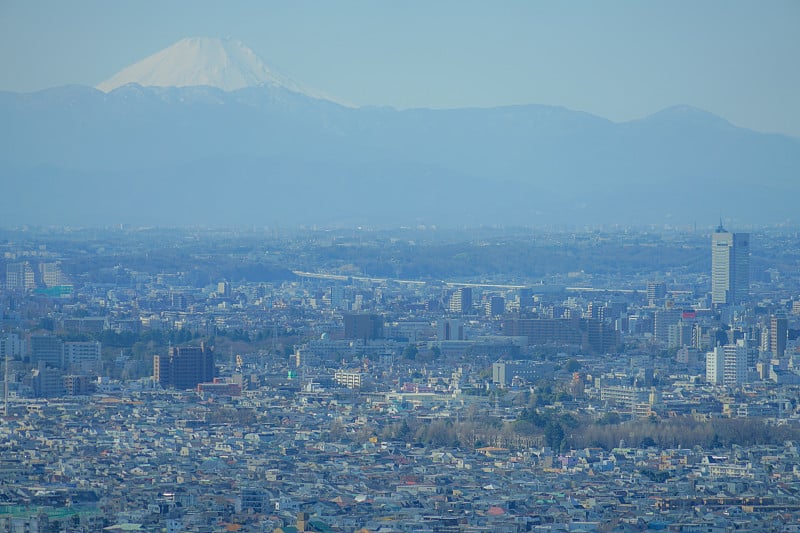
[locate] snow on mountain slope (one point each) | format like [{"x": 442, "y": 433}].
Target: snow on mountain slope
[{"x": 223, "y": 63}]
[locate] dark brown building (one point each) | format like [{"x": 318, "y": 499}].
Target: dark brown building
[
  {"x": 363, "y": 326},
  {"x": 588, "y": 334},
  {"x": 778, "y": 335},
  {"x": 184, "y": 367}
]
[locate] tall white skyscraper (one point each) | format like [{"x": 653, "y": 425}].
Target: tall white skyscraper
[
  {"x": 727, "y": 365},
  {"x": 714, "y": 362},
  {"x": 730, "y": 267}
]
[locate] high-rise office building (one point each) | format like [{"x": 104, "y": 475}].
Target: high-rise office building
[
  {"x": 778, "y": 335},
  {"x": 679, "y": 334},
  {"x": 184, "y": 367},
  {"x": 224, "y": 289},
  {"x": 495, "y": 306},
  {"x": 596, "y": 310},
  {"x": 83, "y": 356},
  {"x": 363, "y": 326},
  {"x": 727, "y": 365},
  {"x": 20, "y": 276},
  {"x": 730, "y": 267},
  {"x": 47, "y": 349},
  {"x": 461, "y": 300},
  {"x": 656, "y": 292},
  {"x": 525, "y": 297},
  {"x": 450, "y": 330},
  {"x": 51, "y": 274},
  {"x": 662, "y": 320},
  {"x": 12, "y": 346}
]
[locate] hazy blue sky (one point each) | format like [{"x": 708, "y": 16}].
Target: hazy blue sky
[{"x": 621, "y": 60}]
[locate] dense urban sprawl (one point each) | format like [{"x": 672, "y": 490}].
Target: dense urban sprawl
[{"x": 415, "y": 380}]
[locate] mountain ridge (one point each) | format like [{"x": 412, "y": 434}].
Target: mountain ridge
[
  {"x": 667, "y": 111},
  {"x": 164, "y": 148}
]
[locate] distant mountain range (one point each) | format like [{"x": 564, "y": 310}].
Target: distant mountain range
[{"x": 275, "y": 154}]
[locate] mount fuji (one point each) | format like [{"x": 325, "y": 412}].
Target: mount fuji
[
  {"x": 226, "y": 64},
  {"x": 204, "y": 133}
]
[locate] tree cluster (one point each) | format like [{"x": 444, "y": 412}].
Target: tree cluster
[{"x": 682, "y": 431}]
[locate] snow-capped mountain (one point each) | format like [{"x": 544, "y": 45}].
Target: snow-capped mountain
[{"x": 226, "y": 64}]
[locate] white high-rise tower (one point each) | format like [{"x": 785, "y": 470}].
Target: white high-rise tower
[
  {"x": 727, "y": 365},
  {"x": 730, "y": 267}
]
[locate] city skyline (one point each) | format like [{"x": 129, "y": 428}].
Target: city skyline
[{"x": 189, "y": 379}]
